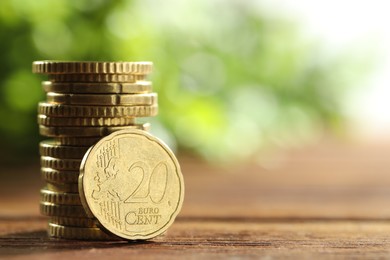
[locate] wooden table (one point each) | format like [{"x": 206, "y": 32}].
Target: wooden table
[{"x": 324, "y": 201}]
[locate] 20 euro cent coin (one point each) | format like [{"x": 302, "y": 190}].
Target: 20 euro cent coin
[{"x": 131, "y": 182}]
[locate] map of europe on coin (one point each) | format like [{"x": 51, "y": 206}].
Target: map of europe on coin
[{"x": 131, "y": 182}]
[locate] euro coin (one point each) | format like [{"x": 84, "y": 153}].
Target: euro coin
[
  {"x": 73, "y": 222},
  {"x": 62, "y": 198},
  {"x": 55, "y": 149},
  {"x": 91, "y": 67},
  {"x": 131, "y": 182},
  {"x": 60, "y": 110},
  {"x": 147, "y": 99},
  {"x": 56, "y": 131},
  {"x": 60, "y": 164},
  {"x": 51, "y": 209},
  {"x": 85, "y": 121},
  {"x": 77, "y": 141},
  {"x": 60, "y": 177},
  {"x": 82, "y": 233},
  {"x": 120, "y": 78},
  {"x": 138, "y": 87},
  {"x": 62, "y": 187}
]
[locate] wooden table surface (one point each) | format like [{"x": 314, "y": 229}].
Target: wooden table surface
[{"x": 324, "y": 201}]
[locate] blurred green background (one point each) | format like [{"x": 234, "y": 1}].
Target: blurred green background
[{"x": 232, "y": 79}]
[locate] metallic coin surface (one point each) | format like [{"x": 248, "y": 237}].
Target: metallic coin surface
[
  {"x": 138, "y": 87},
  {"x": 91, "y": 67},
  {"x": 60, "y": 177},
  {"x": 77, "y": 141},
  {"x": 60, "y": 164},
  {"x": 54, "y": 148},
  {"x": 58, "y": 131},
  {"x": 62, "y": 187},
  {"x": 132, "y": 184},
  {"x": 81, "y": 233},
  {"x": 85, "y": 121},
  {"x": 61, "y": 198},
  {"x": 96, "y": 78},
  {"x": 51, "y": 209},
  {"x": 147, "y": 99},
  {"x": 59, "y": 110},
  {"x": 73, "y": 222}
]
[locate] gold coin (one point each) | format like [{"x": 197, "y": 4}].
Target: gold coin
[
  {"x": 91, "y": 67},
  {"x": 54, "y": 148},
  {"x": 77, "y": 141},
  {"x": 81, "y": 233},
  {"x": 85, "y": 121},
  {"x": 59, "y": 110},
  {"x": 62, "y": 187},
  {"x": 138, "y": 87},
  {"x": 51, "y": 209},
  {"x": 61, "y": 198},
  {"x": 58, "y": 131},
  {"x": 59, "y": 177},
  {"x": 131, "y": 182},
  {"x": 96, "y": 78},
  {"x": 60, "y": 164},
  {"x": 73, "y": 222},
  {"x": 148, "y": 99}
]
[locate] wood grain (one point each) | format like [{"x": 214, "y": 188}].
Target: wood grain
[{"x": 324, "y": 201}]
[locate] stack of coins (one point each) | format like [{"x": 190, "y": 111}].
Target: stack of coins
[{"x": 85, "y": 102}]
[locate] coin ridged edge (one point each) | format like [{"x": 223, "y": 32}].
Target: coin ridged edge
[
  {"x": 91, "y": 67},
  {"x": 81, "y": 233},
  {"x": 59, "y": 177},
  {"x": 73, "y": 222},
  {"x": 61, "y": 198},
  {"x": 54, "y": 148},
  {"x": 51, "y": 209},
  {"x": 96, "y": 78},
  {"x": 60, "y": 110},
  {"x": 84, "y": 121},
  {"x": 60, "y": 164}
]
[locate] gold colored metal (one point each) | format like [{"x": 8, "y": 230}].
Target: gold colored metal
[
  {"x": 148, "y": 99},
  {"x": 138, "y": 87},
  {"x": 62, "y": 187},
  {"x": 59, "y": 110},
  {"x": 54, "y": 148},
  {"x": 91, "y": 67},
  {"x": 60, "y": 164},
  {"x": 73, "y": 222},
  {"x": 51, "y": 209},
  {"x": 54, "y": 131},
  {"x": 131, "y": 182},
  {"x": 81, "y": 233},
  {"x": 85, "y": 121},
  {"x": 61, "y": 198},
  {"x": 97, "y": 78},
  {"x": 78, "y": 141},
  {"x": 60, "y": 177}
]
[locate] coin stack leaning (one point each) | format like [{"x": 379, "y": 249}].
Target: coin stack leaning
[{"x": 85, "y": 102}]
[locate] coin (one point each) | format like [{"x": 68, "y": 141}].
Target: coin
[
  {"x": 96, "y": 88},
  {"x": 51, "y": 209},
  {"x": 91, "y": 67},
  {"x": 56, "y": 131},
  {"x": 62, "y": 198},
  {"x": 77, "y": 141},
  {"x": 62, "y": 187},
  {"x": 131, "y": 182},
  {"x": 85, "y": 121},
  {"x": 59, "y": 110},
  {"x": 73, "y": 222},
  {"x": 82, "y": 233},
  {"x": 60, "y": 177},
  {"x": 96, "y": 78},
  {"x": 103, "y": 99},
  {"x": 54, "y": 148},
  {"x": 60, "y": 164}
]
